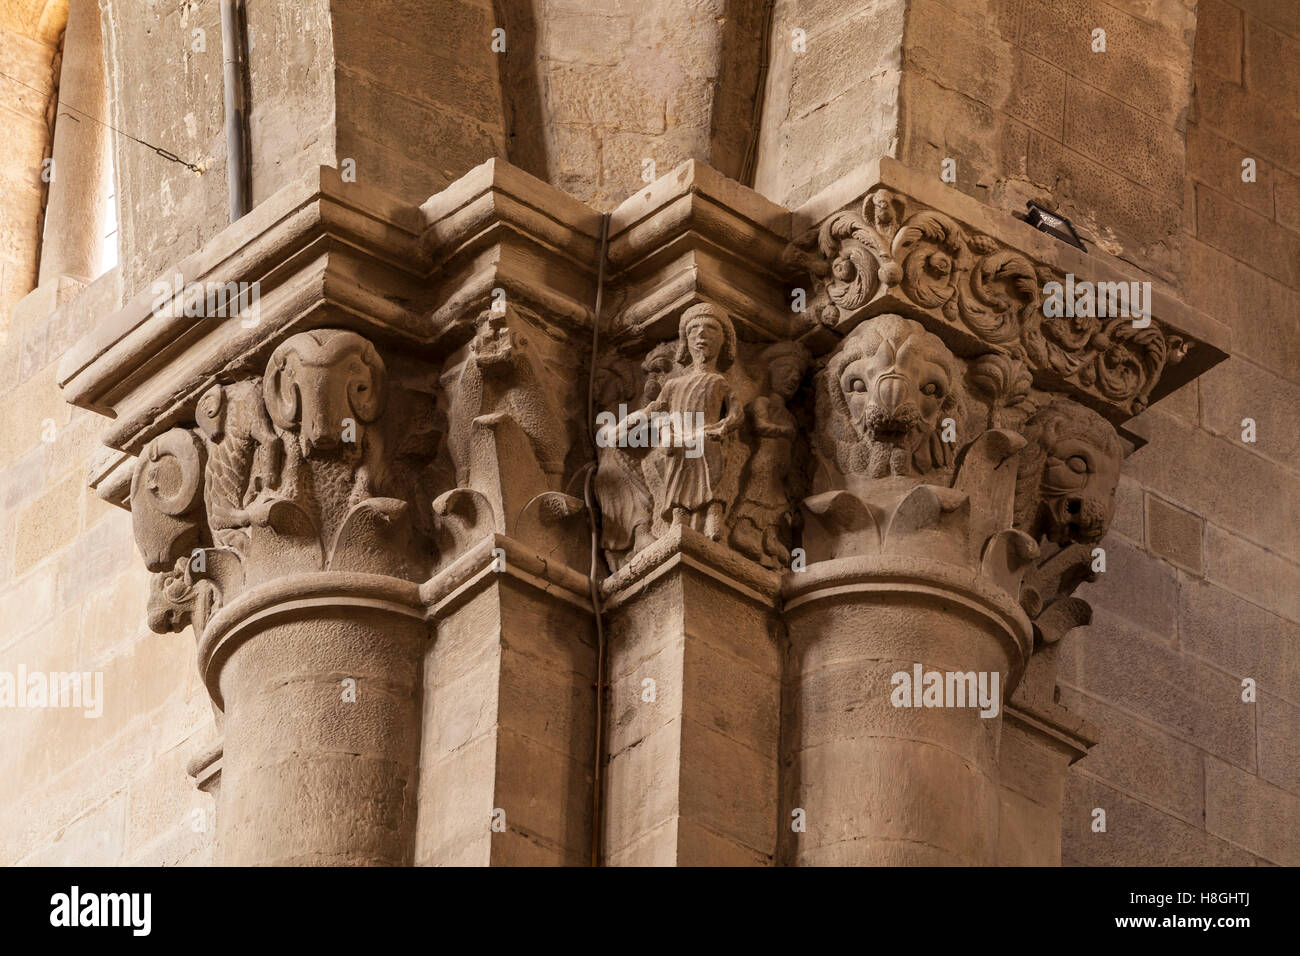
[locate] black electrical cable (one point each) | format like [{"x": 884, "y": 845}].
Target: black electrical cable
[{"x": 592, "y": 578}]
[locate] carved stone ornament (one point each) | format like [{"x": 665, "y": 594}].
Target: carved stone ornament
[
  {"x": 915, "y": 471},
  {"x": 986, "y": 292},
  {"x": 889, "y": 387},
  {"x": 709, "y": 445},
  {"x": 511, "y": 441},
  {"x": 926, "y": 454},
  {"x": 296, "y": 470}
]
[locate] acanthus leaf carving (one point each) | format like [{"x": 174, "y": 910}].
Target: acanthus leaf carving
[{"x": 1036, "y": 469}]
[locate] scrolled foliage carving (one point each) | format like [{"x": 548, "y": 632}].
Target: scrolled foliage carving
[{"x": 892, "y": 245}]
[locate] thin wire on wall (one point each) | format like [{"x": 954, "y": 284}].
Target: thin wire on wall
[{"x": 592, "y": 573}]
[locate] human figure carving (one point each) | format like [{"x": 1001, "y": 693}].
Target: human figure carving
[
  {"x": 659, "y": 365},
  {"x": 710, "y": 414},
  {"x": 762, "y": 516},
  {"x": 694, "y": 418}
]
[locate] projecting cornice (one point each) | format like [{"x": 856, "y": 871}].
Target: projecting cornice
[
  {"x": 497, "y": 227},
  {"x": 694, "y": 234},
  {"x": 321, "y": 252},
  {"x": 888, "y": 239},
  {"x": 328, "y": 253}
]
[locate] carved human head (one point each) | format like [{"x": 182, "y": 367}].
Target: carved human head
[
  {"x": 316, "y": 381},
  {"x": 705, "y": 333},
  {"x": 786, "y": 363},
  {"x": 1072, "y": 470},
  {"x": 493, "y": 343},
  {"x": 658, "y": 367},
  {"x": 896, "y": 383}
]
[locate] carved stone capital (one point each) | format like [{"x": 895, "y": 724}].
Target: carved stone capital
[
  {"x": 699, "y": 434},
  {"x": 913, "y": 465},
  {"x": 320, "y": 464},
  {"x": 894, "y": 241}
]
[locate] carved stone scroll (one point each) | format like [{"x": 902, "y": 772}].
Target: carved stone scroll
[
  {"x": 981, "y": 293},
  {"x": 296, "y": 470}
]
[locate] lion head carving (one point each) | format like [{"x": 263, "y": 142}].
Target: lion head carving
[
  {"x": 894, "y": 383},
  {"x": 1065, "y": 488}
]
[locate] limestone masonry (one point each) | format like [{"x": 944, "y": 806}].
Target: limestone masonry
[{"x": 541, "y": 432}]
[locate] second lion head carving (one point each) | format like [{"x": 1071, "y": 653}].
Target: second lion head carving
[{"x": 1065, "y": 490}]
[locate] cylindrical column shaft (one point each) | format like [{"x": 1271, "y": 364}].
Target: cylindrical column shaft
[
  {"x": 76, "y": 214},
  {"x": 322, "y": 730},
  {"x": 878, "y": 770}
]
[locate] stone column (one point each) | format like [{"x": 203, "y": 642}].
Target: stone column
[
  {"x": 1040, "y": 738},
  {"x": 965, "y": 462},
  {"x": 694, "y": 708},
  {"x": 833, "y": 446},
  {"x": 910, "y": 628},
  {"x": 317, "y": 770},
  {"x": 362, "y": 502},
  {"x": 76, "y": 214},
  {"x": 879, "y": 772},
  {"x": 290, "y": 526}
]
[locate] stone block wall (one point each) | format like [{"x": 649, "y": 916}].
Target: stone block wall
[
  {"x": 110, "y": 789},
  {"x": 1203, "y": 580},
  {"x": 1203, "y": 585},
  {"x": 1081, "y": 101}
]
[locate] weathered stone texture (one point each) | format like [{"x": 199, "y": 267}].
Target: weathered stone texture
[
  {"x": 110, "y": 789},
  {"x": 27, "y": 55},
  {"x": 1226, "y": 521},
  {"x": 477, "y": 697},
  {"x": 841, "y": 92},
  {"x": 1175, "y": 535}
]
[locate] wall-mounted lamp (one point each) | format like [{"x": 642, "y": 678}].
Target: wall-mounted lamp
[{"x": 1053, "y": 224}]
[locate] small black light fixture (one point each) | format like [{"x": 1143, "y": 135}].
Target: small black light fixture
[{"x": 1052, "y": 223}]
